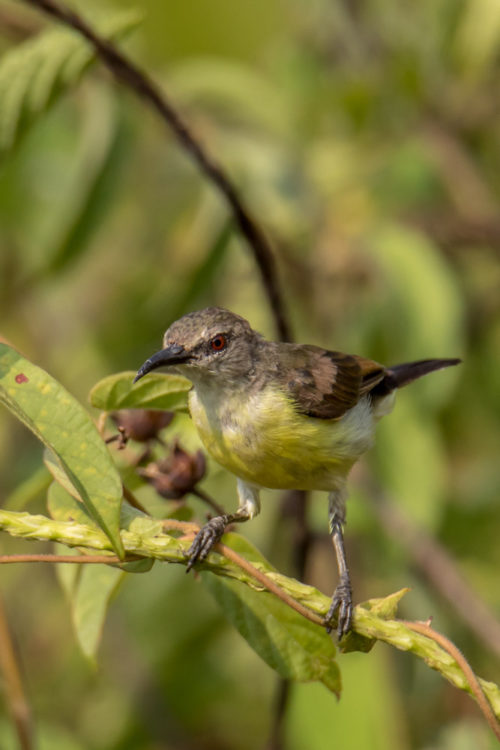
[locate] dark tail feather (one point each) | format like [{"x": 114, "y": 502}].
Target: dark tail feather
[{"x": 400, "y": 375}]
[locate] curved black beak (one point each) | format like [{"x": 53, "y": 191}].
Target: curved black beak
[{"x": 172, "y": 355}]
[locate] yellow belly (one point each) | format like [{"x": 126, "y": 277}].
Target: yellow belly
[{"x": 263, "y": 440}]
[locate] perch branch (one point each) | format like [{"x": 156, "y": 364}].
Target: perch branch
[{"x": 368, "y": 622}]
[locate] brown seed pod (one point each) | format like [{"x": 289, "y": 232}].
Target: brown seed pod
[
  {"x": 177, "y": 474},
  {"x": 141, "y": 425}
]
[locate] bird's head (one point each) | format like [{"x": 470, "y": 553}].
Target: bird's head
[{"x": 208, "y": 344}]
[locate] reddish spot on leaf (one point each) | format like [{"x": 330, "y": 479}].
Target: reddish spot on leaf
[{"x": 21, "y": 378}]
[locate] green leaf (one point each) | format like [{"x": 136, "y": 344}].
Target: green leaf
[
  {"x": 96, "y": 586},
  {"x": 383, "y": 607},
  {"x": 387, "y": 606},
  {"x": 368, "y": 717},
  {"x": 27, "y": 490},
  {"x": 157, "y": 391},
  {"x": 67, "y": 574},
  {"x": 95, "y": 190},
  {"x": 63, "y": 506},
  {"x": 88, "y": 588},
  {"x": 306, "y": 595},
  {"x": 63, "y": 425},
  {"x": 295, "y": 647},
  {"x": 34, "y": 73}
]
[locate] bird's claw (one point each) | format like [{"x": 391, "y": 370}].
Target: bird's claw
[
  {"x": 341, "y": 601},
  {"x": 204, "y": 540}
]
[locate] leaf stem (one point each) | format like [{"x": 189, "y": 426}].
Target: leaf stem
[
  {"x": 269, "y": 584},
  {"x": 202, "y": 495}
]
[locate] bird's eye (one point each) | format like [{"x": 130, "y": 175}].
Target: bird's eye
[{"x": 218, "y": 343}]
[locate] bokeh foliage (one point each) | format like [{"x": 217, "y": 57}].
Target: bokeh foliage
[{"x": 365, "y": 138}]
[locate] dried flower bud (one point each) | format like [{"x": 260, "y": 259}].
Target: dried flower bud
[
  {"x": 176, "y": 475},
  {"x": 141, "y": 425}
]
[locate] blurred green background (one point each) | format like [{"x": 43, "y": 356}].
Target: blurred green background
[{"x": 365, "y": 136}]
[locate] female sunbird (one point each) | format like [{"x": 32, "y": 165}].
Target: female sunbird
[{"x": 282, "y": 416}]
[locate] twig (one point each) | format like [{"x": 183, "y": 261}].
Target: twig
[
  {"x": 251, "y": 570},
  {"x": 369, "y": 619},
  {"x": 17, "y": 25},
  {"x": 145, "y": 88},
  {"x": 441, "y": 570},
  {"x": 466, "y": 186},
  {"x": 13, "y": 685},
  {"x": 189, "y": 530},
  {"x": 132, "y": 500},
  {"x": 202, "y": 495},
  {"x": 483, "y": 703},
  {"x": 293, "y": 506},
  {"x": 453, "y": 231},
  {"x": 47, "y": 558},
  {"x": 270, "y": 585},
  {"x": 138, "y": 81},
  {"x": 276, "y": 738}
]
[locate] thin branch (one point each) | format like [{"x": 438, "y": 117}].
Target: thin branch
[
  {"x": 425, "y": 629},
  {"x": 202, "y": 495},
  {"x": 187, "y": 527},
  {"x": 138, "y": 81},
  {"x": 13, "y": 685},
  {"x": 454, "y": 232},
  {"x": 270, "y": 585},
  {"x": 294, "y": 507},
  {"x": 17, "y": 26},
  {"x": 254, "y": 572},
  {"x": 79, "y": 559},
  {"x": 276, "y": 739},
  {"x": 132, "y": 500},
  {"x": 372, "y": 620},
  {"x": 465, "y": 184}
]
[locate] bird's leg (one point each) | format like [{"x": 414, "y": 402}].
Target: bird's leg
[
  {"x": 342, "y": 597},
  {"x": 212, "y": 531}
]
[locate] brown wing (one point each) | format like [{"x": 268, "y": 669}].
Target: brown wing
[
  {"x": 371, "y": 373},
  {"x": 326, "y": 384}
]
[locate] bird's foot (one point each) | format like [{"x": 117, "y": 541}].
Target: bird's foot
[
  {"x": 205, "y": 539},
  {"x": 341, "y": 601}
]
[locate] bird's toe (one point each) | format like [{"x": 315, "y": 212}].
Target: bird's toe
[
  {"x": 340, "y": 609},
  {"x": 204, "y": 540}
]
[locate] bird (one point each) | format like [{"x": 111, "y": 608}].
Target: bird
[{"x": 280, "y": 416}]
